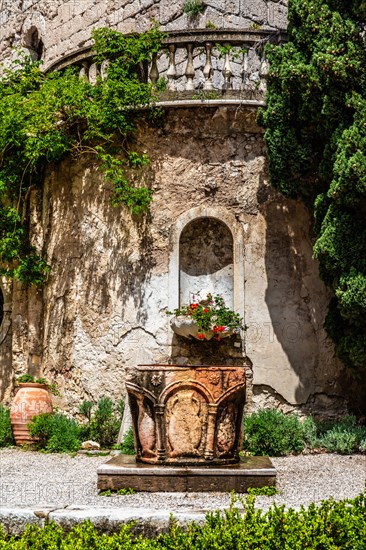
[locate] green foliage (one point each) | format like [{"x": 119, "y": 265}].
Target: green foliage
[
  {"x": 343, "y": 437},
  {"x": 315, "y": 124},
  {"x": 328, "y": 526},
  {"x": 102, "y": 426},
  {"x": 28, "y": 378},
  {"x": 128, "y": 443},
  {"x": 193, "y": 8},
  {"x": 270, "y": 432},
  {"x": 110, "y": 493},
  {"x": 268, "y": 491},
  {"x": 6, "y": 434},
  {"x": 55, "y": 433},
  {"x": 45, "y": 117},
  {"x": 86, "y": 409}
]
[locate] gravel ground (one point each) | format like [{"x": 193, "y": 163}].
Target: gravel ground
[{"x": 56, "y": 480}]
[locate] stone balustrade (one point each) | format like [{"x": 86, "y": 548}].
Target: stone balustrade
[{"x": 198, "y": 65}]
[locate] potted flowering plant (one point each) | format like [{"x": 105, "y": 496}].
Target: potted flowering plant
[{"x": 206, "y": 317}]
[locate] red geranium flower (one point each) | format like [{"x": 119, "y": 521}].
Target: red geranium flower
[
  {"x": 206, "y": 310},
  {"x": 220, "y": 328},
  {"x": 193, "y": 306},
  {"x": 201, "y": 336}
]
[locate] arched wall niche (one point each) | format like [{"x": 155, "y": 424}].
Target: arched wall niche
[
  {"x": 229, "y": 263},
  {"x": 206, "y": 259},
  {"x": 5, "y": 308}
]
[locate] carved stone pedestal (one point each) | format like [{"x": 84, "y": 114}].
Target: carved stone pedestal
[{"x": 187, "y": 415}]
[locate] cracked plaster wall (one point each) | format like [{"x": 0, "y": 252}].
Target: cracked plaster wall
[
  {"x": 65, "y": 27},
  {"x": 104, "y": 304}
]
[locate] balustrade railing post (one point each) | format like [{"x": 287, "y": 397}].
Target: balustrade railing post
[
  {"x": 208, "y": 70},
  {"x": 244, "y": 71},
  {"x": 189, "y": 68},
  {"x": 263, "y": 72},
  {"x": 227, "y": 72},
  {"x": 154, "y": 72},
  {"x": 172, "y": 70}
]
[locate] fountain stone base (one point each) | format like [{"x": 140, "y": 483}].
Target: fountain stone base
[{"x": 188, "y": 423}]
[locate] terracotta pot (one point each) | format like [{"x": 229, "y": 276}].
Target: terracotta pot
[{"x": 30, "y": 400}]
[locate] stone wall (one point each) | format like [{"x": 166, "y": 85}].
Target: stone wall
[
  {"x": 65, "y": 27},
  {"x": 103, "y": 308}
]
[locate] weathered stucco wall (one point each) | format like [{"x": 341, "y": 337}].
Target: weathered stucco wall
[
  {"x": 65, "y": 27},
  {"x": 104, "y": 305}
]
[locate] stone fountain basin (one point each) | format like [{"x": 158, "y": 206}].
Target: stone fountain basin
[{"x": 188, "y": 415}]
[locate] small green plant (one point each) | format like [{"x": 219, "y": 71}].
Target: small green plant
[
  {"x": 128, "y": 443},
  {"x": 55, "y": 433},
  {"x": 224, "y": 49},
  {"x": 6, "y": 434},
  {"x": 210, "y": 25},
  {"x": 106, "y": 421},
  {"x": 110, "y": 492},
  {"x": 193, "y": 8},
  {"x": 267, "y": 491},
  {"x": 204, "y": 95},
  {"x": 255, "y": 26},
  {"x": 270, "y": 432},
  {"x": 28, "y": 378},
  {"x": 161, "y": 84},
  {"x": 86, "y": 409}
]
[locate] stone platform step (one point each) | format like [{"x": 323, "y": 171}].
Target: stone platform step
[{"x": 122, "y": 472}]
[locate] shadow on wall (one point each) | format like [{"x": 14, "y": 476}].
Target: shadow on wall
[
  {"x": 98, "y": 252},
  {"x": 297, "y": 302}
]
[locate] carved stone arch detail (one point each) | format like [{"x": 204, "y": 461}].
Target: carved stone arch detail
[
  {"x": 185, "y": 385},
  {"x": 139, "y": 390},
  {"x": 6, "y": 291},
  {"x": 225, "y": 217},
  {"x": 231, "y": 391}
]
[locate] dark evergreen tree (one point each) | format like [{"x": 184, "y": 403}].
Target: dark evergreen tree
[{"x": 315, "y": 124}]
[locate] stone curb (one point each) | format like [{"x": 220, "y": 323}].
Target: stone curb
[{"x": 147, "y": 522}]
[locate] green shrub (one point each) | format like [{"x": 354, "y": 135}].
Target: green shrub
[
  {"x": 329, "y": 526},
  {"x": 55, "y": 433},
  {"x": 344, "y": 436},
  {"x": 6, "y": 434},
  {"x": 128, "y": 443},
  {"x": 106, "y": 422},
  {"x": 310, "y": 433},
  {"x": 270, "y": 432}
]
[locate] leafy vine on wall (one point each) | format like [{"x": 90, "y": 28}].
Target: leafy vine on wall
[
  {"x": 46, "y": 117},
  {"x": 315, "y": 123}
]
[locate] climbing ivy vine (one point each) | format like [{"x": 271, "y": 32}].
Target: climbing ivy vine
[
  {"x": 47, "y": 117},
  {"x": 315, "y": 123}
]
